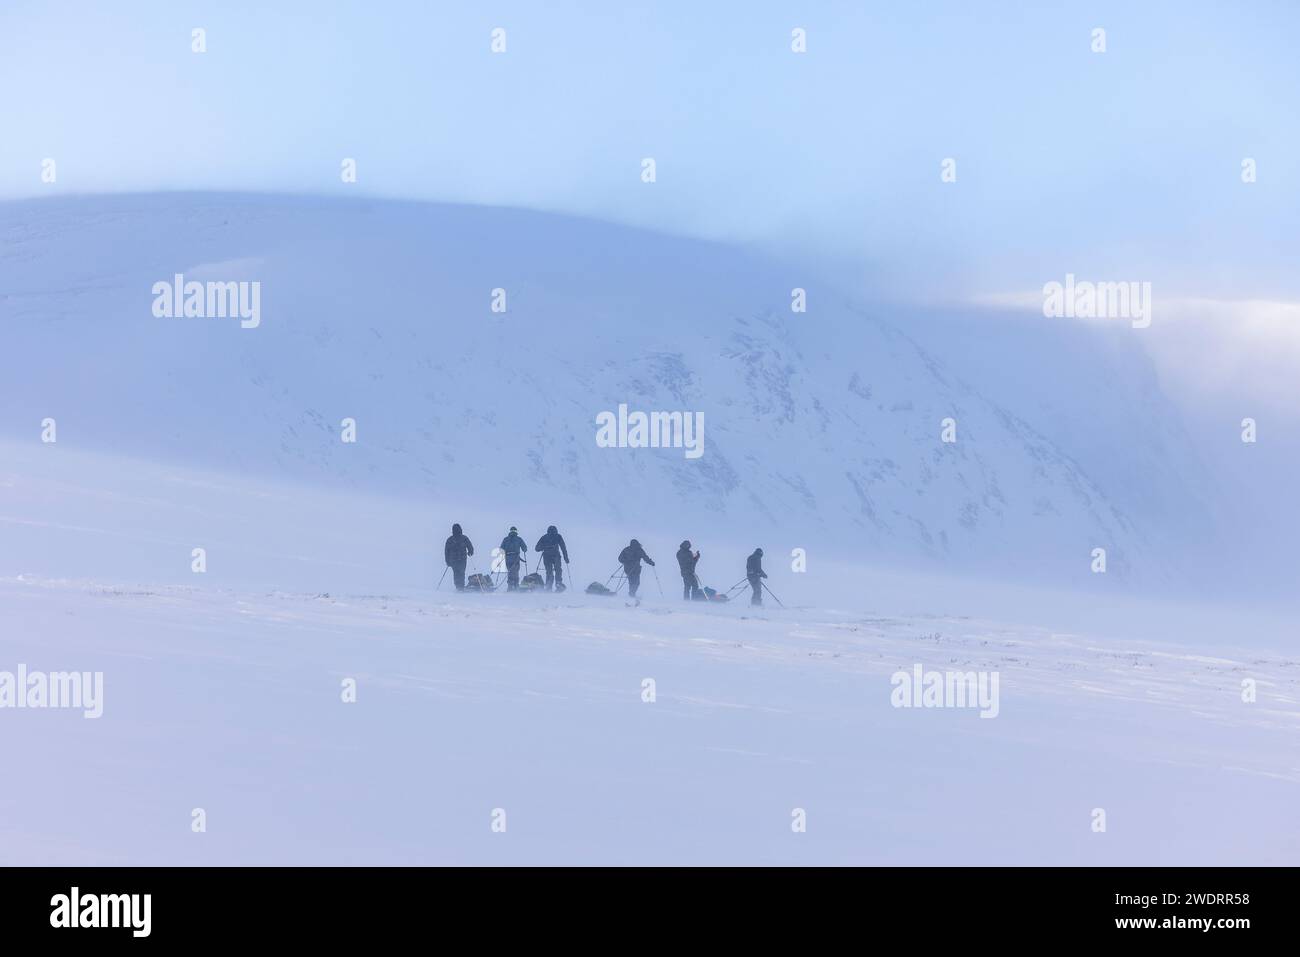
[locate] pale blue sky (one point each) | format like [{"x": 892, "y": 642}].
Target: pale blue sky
[{"x": 1120, "y": 164}]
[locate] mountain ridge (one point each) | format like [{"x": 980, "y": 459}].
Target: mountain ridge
[{"x": 825, "y": 424}]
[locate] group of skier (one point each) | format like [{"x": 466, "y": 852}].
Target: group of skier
[
  {"x": 555, "y": 555},
  {"x": 458, "y": 550}
]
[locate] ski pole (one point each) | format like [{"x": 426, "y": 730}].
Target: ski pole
[
  {"x": 661, "y": 587},
  {"x": 440, "y": 580},
  {"x": 769, "y": 591}
]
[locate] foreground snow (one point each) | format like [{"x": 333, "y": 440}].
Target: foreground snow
[{"x": 230, "y": 701}]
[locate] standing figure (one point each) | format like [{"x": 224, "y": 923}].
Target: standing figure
[
  {"x": 512, "y": 545},
  {"x": 456, "y": 552},
  {"x": 686, "y": 562},
  {"x": 552, "y": 546},
  {"x": 754, "y": 574},
  {"x": 630, "y": 558}
]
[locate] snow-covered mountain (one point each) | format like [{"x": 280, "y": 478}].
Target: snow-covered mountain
[
  {"x": 225, "y": 686},
  {"x": 821, "y": 430}
]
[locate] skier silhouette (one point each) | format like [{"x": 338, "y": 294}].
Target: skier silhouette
[
  {"x": 754, "y": 574},
  {"x": 551, "y": 545},
  {"x": 512, "y": 545},
  {"x": 456, "y": 552},
  {"x": 686, "y": 562},
  {"x": 630, "y": 558}
]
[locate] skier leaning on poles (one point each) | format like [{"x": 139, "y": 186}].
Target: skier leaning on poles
[
  {"x": 630, "y": 558},
  {"x": 754, "y": 574}
]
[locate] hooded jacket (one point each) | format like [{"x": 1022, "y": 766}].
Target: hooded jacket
[
  {"x": 633, "y": 555},
  {"x": 686, "y": 561},
  {"x": 458, "y": 547},
  {"x": 551, "y": 545},
  {"x": 754, "y": 565}
]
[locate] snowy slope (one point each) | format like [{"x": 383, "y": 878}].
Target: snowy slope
[
  {"x": 222, "y": 691},
  {"x": 230, "y": 702},
  {"x": 822, "y": 430}
]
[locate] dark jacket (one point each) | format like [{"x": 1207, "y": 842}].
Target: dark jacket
[
  {"x": 633, "y": 555},
  {"x": 458, "y": 548},
  {"x": 754, "y": 566},
  {"x": 552, "y": 544},
  {"x": 512, "y": 544},
  {"x": 686, "y": 561}
]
